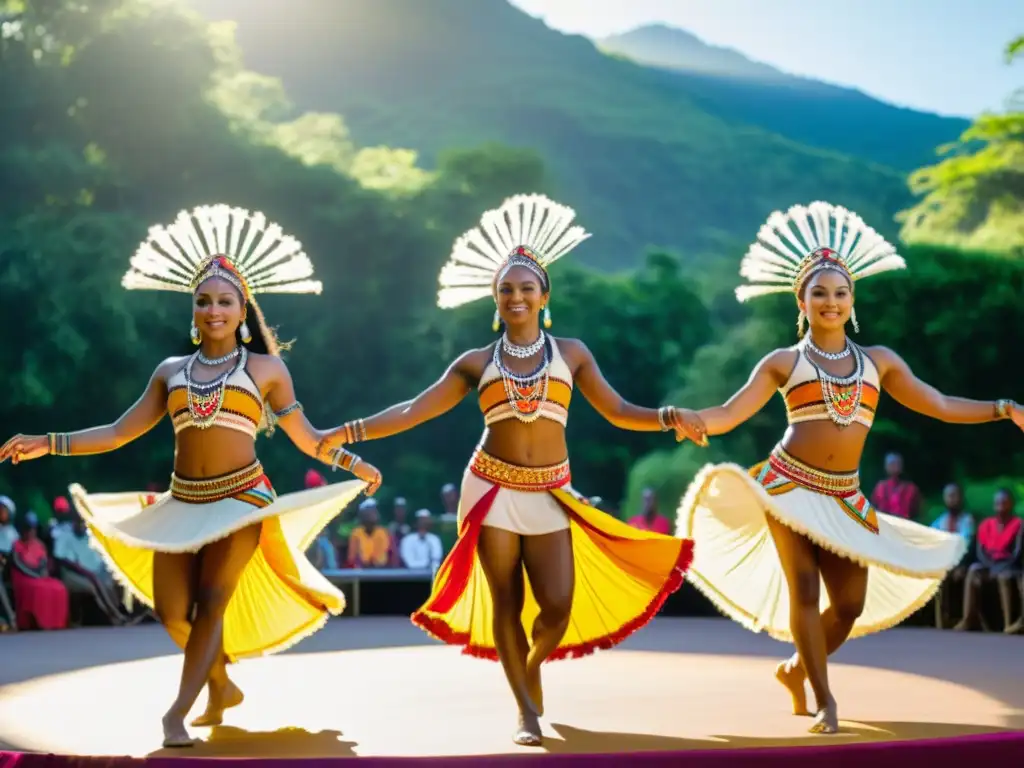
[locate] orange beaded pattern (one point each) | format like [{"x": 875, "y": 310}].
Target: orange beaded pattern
[
  {"x": 518, "y": 478},
  {"x": 216, "y": 488}
]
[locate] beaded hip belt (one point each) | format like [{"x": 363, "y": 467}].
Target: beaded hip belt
[
  {"x": 840, "y": 484},
  {"x": 212, "y": 489},
  {"x": 518, "y": 478}
]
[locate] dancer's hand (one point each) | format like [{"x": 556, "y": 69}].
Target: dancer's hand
[
  {"x": 330, "y": 442},
  {"x": 1017, "y": 415},
  {"x": 689, "y": 425},
  {"x": 24, "y": 448},
  {"x": 369, "y": 474}
]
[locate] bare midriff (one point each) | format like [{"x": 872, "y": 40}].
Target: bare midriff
[
  {"x": 203, "y": 453},
  {"x": 825, "y": 445}
]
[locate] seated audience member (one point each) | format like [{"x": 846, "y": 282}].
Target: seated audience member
[
  {"x": 39, "y": 599},
  {"x": 649, "y": 519},
  {"x": 8, "y": 535},
  {"x": 1000, "y": 540},
  {"x": 369, "y": 544},
  {"x": 954, "y": 519},
  {"x": 84, "y": 573},
  {"x": 323, "y": 554},
  {"x": 397, "y": 529},
  {"x": 421, "y": 550}
]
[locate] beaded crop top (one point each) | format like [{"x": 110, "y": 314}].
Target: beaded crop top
[
  {"x": 547, "y": 398},
  {"x": 811, "y": 394},
  {"x": 237, "y": 404}
]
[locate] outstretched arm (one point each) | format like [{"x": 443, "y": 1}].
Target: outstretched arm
[
  {"x": 291, "y": 418},
  {"x": 437, "y": 399},
  {"x": 909, "y": 391},
  {"x": 133, "y": 423},
  {"x": 768, "y": 376},
  {"x": 615, "y": 408}
]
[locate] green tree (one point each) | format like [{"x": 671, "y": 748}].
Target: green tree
[{"x": 975, "y": 196}]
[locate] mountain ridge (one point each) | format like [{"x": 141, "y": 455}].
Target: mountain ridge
[{"x": 627, "y": 146}]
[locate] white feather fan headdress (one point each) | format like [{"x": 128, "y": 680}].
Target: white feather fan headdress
[
  {"x": 526, "y": 230},
  {"x": 827, "y": 237},
  {"x": 255, "y": 255}
]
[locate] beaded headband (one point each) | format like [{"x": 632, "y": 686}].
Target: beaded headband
[
  {"x": 221, "y": 267},
  {"x": 522, "y": 256}
]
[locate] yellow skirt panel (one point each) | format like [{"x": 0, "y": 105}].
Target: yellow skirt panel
[
  {"x": 623, "y": 576},
  {"x": 280, "y": 599}
]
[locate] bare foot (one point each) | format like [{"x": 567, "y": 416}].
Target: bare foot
[
  {"x": 528, "y": 734},
  {"x": 962, "y": 626},
  {"x": 827, "y": 719},
  {"x": 534, "y": 688},
  {"x": 222, "y": 697},
  {"x": 1017, "y": 628},
  {"x": 175, "y": 734},
  {"x": 792, "y": 677}
]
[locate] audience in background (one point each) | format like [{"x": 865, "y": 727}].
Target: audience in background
[
  {"x": 421, "y": 549},
  {"x": 40, "y": 601},
  {"x": 369, "y": 545},
  {"x": 954, "y": 519},
  {"x": 649, "y": 519},
  {"x": 83, "y": 571},
  {"x": 995, "y": 551},
  {"x": 896, "y": 495},
  {"x": 1000, "y": 539},
  {"x": 8, "y": 535}
]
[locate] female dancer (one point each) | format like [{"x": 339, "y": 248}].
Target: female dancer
[
  {"x": 220, "y": 542},
  {"x": 877, "y": 569},
  {"x": 591, "y": 580}
]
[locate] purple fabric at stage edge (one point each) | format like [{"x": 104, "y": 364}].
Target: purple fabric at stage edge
[{"x": 999, "y": 747}]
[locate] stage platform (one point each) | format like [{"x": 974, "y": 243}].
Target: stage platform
[{"x": 378, "y": 688}]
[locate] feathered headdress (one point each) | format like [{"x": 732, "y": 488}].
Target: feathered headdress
[
  {"x": 827, "y": 237},
  {"x": 526, "y": 230},
  {"x": 254, "y": 255}
]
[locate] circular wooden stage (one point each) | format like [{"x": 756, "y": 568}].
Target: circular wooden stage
[{"x": 377, "y": 687}]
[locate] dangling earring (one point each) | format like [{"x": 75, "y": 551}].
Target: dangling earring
[
  {"x": 853, "y": 319},
  {"x": 547, "y": 316},
  {"x": 194, "y": 333},
  {"x": 800, "y": 320},
  {"x": 496, "y": 323},
  {"x": 243, "y": 331}
]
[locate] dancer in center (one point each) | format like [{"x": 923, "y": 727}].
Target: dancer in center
[
  {"x": 770, "y": 537},
  {"x": 590, "y": 580}
]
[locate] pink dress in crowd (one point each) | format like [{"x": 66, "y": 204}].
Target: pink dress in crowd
[{"x": 39, "y": 601}]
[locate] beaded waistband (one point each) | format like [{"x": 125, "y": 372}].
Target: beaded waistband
[
  {"x": 840, "y": 484},
  {"x": 518, "y": 478},
  {"x": 212, "y": 489}
]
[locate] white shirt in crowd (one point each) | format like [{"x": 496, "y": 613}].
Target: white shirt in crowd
[
  {"x": 77, "y": 550},
  {"x": 421, "y": 551}
]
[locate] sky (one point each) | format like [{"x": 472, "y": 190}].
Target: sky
[{"x": 934, "y": 55}]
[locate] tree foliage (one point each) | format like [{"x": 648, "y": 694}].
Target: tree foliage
[
  {"x": 119, "y": 114},
  {"x": 975, "y": 196}
]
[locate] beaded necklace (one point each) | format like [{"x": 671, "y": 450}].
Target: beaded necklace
[
  {"x": 206, "y": 398},
  {"x": 842, "y": 394}
]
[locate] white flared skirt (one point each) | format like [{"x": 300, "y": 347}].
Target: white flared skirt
[
  {"x": 737, "y": 567},
  {"x": 280, "y": 598}
]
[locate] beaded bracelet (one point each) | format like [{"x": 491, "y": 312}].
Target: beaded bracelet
[
  {"x": 355, "y": 431},
  {"x": 1002, "y": 408},
  {"x": 296, "y": 406},
  {"x": 340, "y": 457},
  {"x": 60, "y": 443},
  {"x": 666, "y": 415}
]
